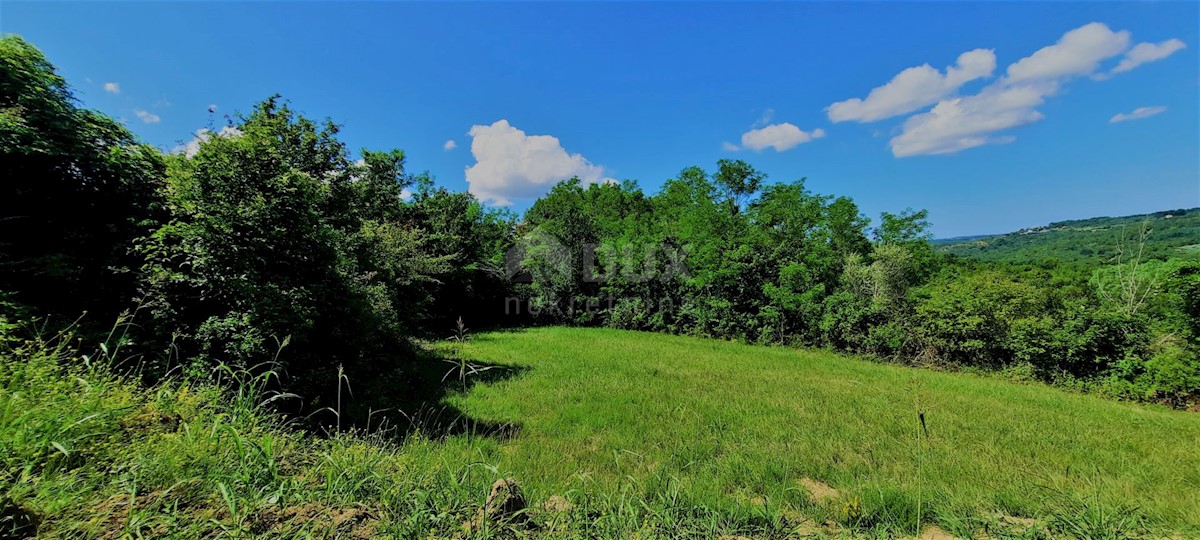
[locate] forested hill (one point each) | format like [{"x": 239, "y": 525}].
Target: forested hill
[{"x": 1095, "y": 241}]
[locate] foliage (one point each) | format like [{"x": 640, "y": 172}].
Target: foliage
[
  {"x": 271, "y": 231},
  {"x": 78, "y": 188},
  {"x": 473, "y": 241},
  {"x": 1089, "y": 242},
  {"x": 971, "y": 318},
  {"x": 251, "y": 253}
]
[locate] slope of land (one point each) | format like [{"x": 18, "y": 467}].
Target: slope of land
[
  {"x": 1174, "y": 233},
  {"x": 610, "y": 434}
]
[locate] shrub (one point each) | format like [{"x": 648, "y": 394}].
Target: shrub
[
  {"x": 968, "y": 320},
  {"x": 1172, "y": 374},
  {"x": 77, "y": 189}
]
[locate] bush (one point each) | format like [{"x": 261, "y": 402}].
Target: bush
[
  {"x": 77, "y": 190},
  {"x": 968, "y": 320},
  {"x": 275, "y": 235},
  {"x": 1172, "y": 374}
]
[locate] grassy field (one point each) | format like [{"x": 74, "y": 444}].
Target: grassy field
[
  {"x": 610, "y": 434},
  {"x": 730, "y": 424}
]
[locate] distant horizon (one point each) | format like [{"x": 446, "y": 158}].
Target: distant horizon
[
  {"x": 1090, "y": 110},
  {"x": 1048, "y": 223}
]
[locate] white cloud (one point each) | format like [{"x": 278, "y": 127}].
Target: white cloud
[
  {"x": 914, "y": 88},
  {"x": 406, "y": 194},
  {"x": 112, "y": 88},
  {"x": 729, "y": 147},
  {"x": 1144, "y": 53},
  {"x": 512, "y": 165},
  {"x": 449, "y": 145},
  {"x": 190, "y": 148},
  {"x": 781, "y": 137},
  {"x": 967, "y": 122},
  {"x": 147, "y": 117},
  {"x": 1137, "y": 114},
  {"x": 1078, "y": 52}
]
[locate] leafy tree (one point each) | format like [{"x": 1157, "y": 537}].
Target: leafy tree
[
  {"x": 795, "y": 233},
  {"x": 737, "y": 180},
  {"x": 906, "y": 228},
  {"x": 78, "y": 189},
  {"x": 967, "y": 320},
  {"x": 474, "y": 241},
  {"x": 254, "y": 252}
]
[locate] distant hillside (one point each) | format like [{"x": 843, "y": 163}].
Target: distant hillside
[{"x": 1173, "y": 233}]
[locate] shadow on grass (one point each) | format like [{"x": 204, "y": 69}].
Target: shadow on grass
[{"x": 412, "y": 399}]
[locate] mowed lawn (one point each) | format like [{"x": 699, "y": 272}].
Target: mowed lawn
[{"x": 735, "y": 428}]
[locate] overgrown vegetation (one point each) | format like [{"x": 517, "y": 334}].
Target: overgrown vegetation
[
  {"x": 269, "y": 229},
  {"x": 272, "y": 284},
  {"x": 787, "y": 266}
]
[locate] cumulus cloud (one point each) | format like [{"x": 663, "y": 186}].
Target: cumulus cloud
[
  {"x": 729, "y": 147},
  {"x": 449, "y": 145},
  {"x": 781, "y": 137},
  {"x": 512, "y": 165},
  {"x": 190, "y": 148},
  {"x": 112, "y": 88},
  {"x": 1078, "y": 52},
  {"x": 147, "y": 117},
  {"x": 1137, "y": 114},
  {"x": 914, "y": 88},
  {"x": 967, "y": 122},
  {"x": 1144, "y": 53}
]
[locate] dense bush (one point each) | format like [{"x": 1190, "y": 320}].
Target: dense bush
[
  {"x": 274, "y": 234},
  {"x": 78, "y": 189}
]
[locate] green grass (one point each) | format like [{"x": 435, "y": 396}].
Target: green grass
[
  {"x": 647, "y": 435},
  {"x": 728, "y": 423}
]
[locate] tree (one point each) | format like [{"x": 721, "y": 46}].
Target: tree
[
  {"x": 967, "y": 319},
  {"x": 910, "y": 230},
  {"x": 274, "y": 233},
  {"x": 905, "y": 228},
  {"x": 738, "y": 180},
  {"x": 1129, "y": 284},
  {"x": 77, "y": 190},
  {"x": 474, "y": 241}
]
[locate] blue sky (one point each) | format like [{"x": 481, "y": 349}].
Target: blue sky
[{"x": 1026, "y": 112}]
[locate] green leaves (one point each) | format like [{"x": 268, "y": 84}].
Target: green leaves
[
  {"x": 77, "y": 190},
  {"x": 274, "y": 232}
]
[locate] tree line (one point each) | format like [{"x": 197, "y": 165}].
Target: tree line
[{"x": 272, "y": 242}]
